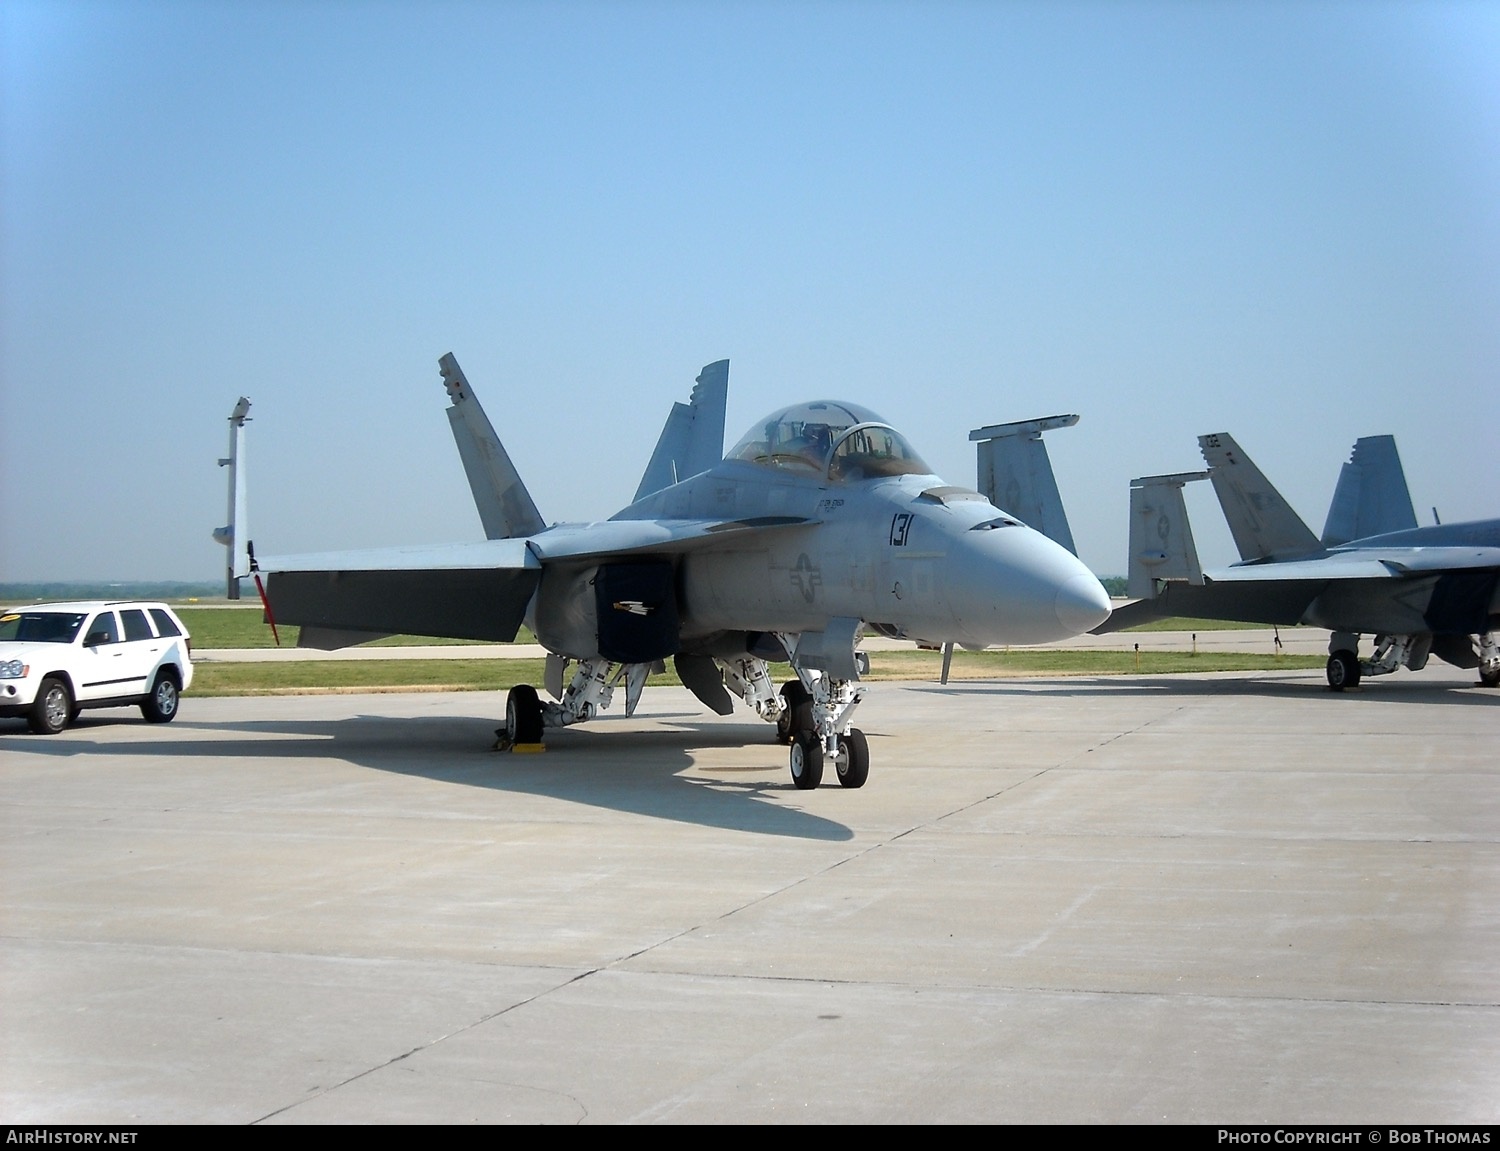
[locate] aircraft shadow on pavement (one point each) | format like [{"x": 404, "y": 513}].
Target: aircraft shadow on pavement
[
  {"x": 1408, "y": 691},
  {"x": 642, "y": 772}
]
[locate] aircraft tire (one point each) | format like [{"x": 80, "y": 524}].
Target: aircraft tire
[
  {"x": 523, "y": 715},
  {"x": 161, "y": 705},
  {"x": 1343, "y": 671},
  {"x": 853, "y": 765},
  {"x": 53, "y": 709},
  {"x": 796, "y": 711},
  {"x": 1490, "y": 678},
  {"x": 807, "y": 760}
]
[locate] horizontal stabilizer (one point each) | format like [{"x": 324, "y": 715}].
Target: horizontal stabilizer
[
  {"x": 1015, "y": 474},
  {"x": 505, "y": 506},
  {"x": 1371, "y": 497},
  {"x": 1263, "y": 524}
]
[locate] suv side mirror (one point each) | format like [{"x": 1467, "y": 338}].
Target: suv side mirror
[{"x": 95, "y": 638}]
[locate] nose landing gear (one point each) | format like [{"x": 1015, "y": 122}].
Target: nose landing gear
[{"x": 819, "y": 703}]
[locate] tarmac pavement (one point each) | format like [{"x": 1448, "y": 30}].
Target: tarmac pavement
[{"x": 1225, "y": 899}]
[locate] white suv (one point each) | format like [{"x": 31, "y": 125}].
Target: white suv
[{"x": 58, "y": 658}]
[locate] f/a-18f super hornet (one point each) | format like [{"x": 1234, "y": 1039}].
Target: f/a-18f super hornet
[
  {"x": 1419, "y": 590},
  {"x": 822, "y": 523}
]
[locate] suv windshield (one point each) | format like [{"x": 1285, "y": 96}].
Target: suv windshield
[{"x": 41, "y": 626}]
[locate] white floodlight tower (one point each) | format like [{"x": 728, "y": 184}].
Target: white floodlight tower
[{"x": 237, "y": 531}]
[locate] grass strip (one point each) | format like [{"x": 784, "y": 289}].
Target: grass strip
[
  {"x": 245, "y": 627},
  {"x": 313, "y": 677}
]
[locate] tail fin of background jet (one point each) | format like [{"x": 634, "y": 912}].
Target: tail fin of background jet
[
  {"x": 1161, "y": 539},
  {"x": 692, "y": 440},
  {"x": 1263, "y": 524},
  {"x": 1371, "y": 497},
  {"x": 505, "y": 506},
  {"x": 1015, "y": 473}
]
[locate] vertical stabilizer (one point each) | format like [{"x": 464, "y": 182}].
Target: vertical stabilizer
[
  {"x": 1015, "y": 473},
  {"x": 1263, "y": 524},
  {"x": 692, "y": 440},
  {"x": 505, "y": 507},
  {"x": 1161, "y": 539},
  {"x": 1371, "y": 497}
]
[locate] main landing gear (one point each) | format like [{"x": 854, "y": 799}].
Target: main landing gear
[
  {"x": 1346, "y": 669},
  {"x": 811, "y": 716},
  {"x": 1489, "y": 660},
  {"x": 590, "y": 692}
]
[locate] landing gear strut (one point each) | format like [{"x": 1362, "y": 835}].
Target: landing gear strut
[
  {"x": 590, "y": 692},
  {"x": 819, "y": 703}
]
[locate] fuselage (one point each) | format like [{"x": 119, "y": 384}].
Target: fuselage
[{"x": 885, "y": 541}]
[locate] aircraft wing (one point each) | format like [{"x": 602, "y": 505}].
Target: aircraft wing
[
  {"x": 461, "y": 591},
  {"x": 1279, "y": 593},
  {"x": 1365, "y": 563},
  {"x": 477, "y": 590},
  {"x": 1276, "y": 602}
]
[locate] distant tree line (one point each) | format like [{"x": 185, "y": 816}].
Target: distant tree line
[{"x": 17, "y": 593}]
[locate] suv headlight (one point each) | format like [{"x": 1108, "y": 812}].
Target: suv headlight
[{"x": 13, "y": 669}]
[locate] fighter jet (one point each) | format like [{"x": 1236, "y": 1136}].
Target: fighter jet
[
  {"x": 1419, "y": 591},
  {"x": 821, "y": 524}
]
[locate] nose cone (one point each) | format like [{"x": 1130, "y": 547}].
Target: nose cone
[
  {"x": 1015, "y": 586},
  {"x": 1082, "y": 604}
]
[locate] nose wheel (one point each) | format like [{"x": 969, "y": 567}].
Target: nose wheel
[
  {"x": 851, "y": 764},
  {"x": 807, "y": 759}
]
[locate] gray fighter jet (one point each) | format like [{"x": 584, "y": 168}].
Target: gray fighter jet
[
  {"x": 1419, "y": 591},
  {"x": 821, "y": 524}
]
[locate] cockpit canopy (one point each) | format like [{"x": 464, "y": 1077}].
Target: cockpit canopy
[{"x": 826, "y": 438}]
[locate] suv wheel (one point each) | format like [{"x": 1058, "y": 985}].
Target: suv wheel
[
  {"x": 161, "y": 705},
  {"x": 53, "y": 709}
]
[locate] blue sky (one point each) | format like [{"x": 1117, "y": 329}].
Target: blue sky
[{"x": 1278, "y": 220}]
